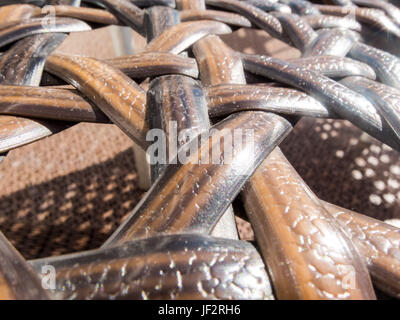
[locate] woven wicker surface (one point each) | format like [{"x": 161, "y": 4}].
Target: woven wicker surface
[{"x": 69, "y": 192}]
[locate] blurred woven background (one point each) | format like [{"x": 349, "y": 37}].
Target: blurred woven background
[{"x": 69, "y": 192}]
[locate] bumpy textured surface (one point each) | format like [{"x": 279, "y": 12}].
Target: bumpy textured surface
[
  {"x": 191, "y": 197},
  {"x": 187, "y": 197},
  {"x": 64, "y": 104},
  {"x": 172, "y": 267},
  {"x": 336, "y": 67},
  {"x": 308, "y": 255},
  {"x": 379, "y": 242},
  {"x": 119, "y": 97}
]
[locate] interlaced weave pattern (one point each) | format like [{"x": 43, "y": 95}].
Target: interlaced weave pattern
[{"x": 180, "y": 240}]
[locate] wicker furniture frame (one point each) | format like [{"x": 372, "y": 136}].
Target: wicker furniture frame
[{"x": 180, "y": 241}]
